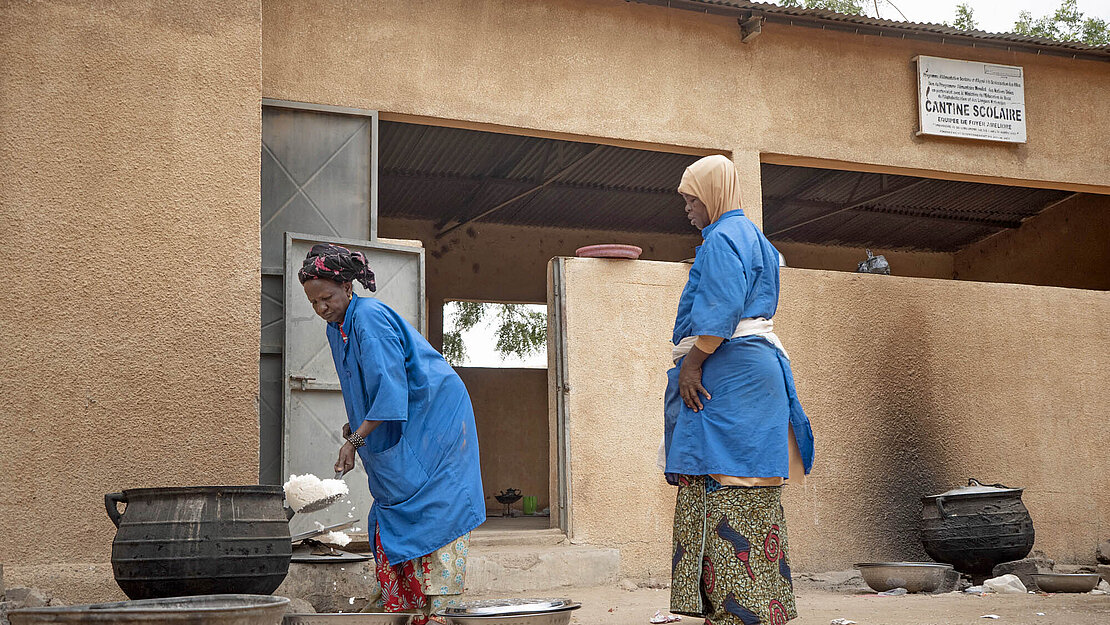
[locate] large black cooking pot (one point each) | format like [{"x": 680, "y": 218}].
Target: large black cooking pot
[
  {"x": 976, "y": 527},
  {"x": 199, "y": 540}
]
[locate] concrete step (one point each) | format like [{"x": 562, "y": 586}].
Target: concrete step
[
  {"x": 510, "y": 538},
  {"x": 531, "y": 567}
]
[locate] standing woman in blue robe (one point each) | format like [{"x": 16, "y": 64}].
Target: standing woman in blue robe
[
  {"x": 410, "y": 421},
  {"x": 734, "y": 431}
]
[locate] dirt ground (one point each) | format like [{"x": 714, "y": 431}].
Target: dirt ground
[{"x": 616, "y": 606}]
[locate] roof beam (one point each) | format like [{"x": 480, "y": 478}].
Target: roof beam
[
  {"x": 935, "y": 214},
  {"x": 939, "y": 215},
  {"x": 865, "y": 201},
  {"x": 417, "y": 175},
  {"x": 555, "y": 178}
]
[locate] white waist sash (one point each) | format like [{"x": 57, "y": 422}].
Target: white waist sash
[{"x": 750, "y": 326}]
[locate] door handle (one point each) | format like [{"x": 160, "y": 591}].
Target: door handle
[
  {"x": 303, "y": 379},
  {"x": 309, "y": 383}
]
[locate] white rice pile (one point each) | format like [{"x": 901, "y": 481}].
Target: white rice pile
[
  {"x": 339, "y": 539},
  {"x": 302, "y": 490}
]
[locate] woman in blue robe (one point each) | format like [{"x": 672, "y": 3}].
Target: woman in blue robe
[
  {"x": 410, "y": 421},
  {"x": 733, "y": 426}
]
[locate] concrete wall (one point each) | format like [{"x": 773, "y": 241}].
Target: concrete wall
[
  {"x": 626, "y": 71},
  {"x": 130, "y": 219},
  {"x": 510, "y": 411},
  {"x": 1067, "y": 245},
  {"x": 132, "y": 129},
  {"x": 912, "y": 385}
]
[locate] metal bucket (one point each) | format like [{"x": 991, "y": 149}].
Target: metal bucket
[
  {"x": 201, "y": 540},
  {"x": 205, "y": 610}
]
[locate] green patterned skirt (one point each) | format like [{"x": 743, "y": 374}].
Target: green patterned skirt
[{"x": 729, "y": 564}]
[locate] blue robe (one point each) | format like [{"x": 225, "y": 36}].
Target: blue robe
[
  {"x": 743, "y": 430},
  {"x": 422, "y": 460}
]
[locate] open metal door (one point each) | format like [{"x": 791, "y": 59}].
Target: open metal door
[
  {"x": 319, "y": 176},
  {"x": 314, "y": 413}
]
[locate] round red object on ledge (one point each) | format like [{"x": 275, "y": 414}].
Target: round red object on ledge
[{"x": 609, "y": 250}]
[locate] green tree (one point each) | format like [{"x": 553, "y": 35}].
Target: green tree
[
  {"x": 965, "y": 18},
  {"x": 520, "y": 331},
  {"x": 1066, "y": 24},
  {"x": 849, "y": 7}
]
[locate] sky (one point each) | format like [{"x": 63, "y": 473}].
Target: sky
[{"x": 992, "y": 16}]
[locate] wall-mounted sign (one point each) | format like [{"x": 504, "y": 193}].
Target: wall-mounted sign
[{"x": 970, "y": 99}]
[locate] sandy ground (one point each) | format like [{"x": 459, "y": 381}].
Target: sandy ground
[{"x": 616, "y": 606}]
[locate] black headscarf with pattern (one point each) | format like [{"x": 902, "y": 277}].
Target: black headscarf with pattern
[{"x": 336, "y": 263}]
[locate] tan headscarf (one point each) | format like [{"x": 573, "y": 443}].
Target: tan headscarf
[{"x": 714, "y": 181}]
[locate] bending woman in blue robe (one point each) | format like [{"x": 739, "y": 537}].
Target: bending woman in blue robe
[
  {"x": 733, "y": 426},
  {"x": 410, "y": 421}
]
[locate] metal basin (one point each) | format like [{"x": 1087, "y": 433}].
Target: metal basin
[
  {"x": 1066, "y": 582},
  {"x": 511, "y": 612},
  {"x": 913, "y": 576},
  {"x": 544, "y": 618},
  {"x": 198, "y": 610},
  {"x": 361, "y": 618}
]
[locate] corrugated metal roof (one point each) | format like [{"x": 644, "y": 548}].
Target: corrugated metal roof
[
  {"x": 451, "y": 175},
  {"x": 863, "y": 24},
  {"x": 833, "y": 207}
]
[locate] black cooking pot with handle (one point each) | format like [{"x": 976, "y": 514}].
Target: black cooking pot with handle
[
  {"x": 199, "y": 540},
  {"x": 977, "y": 526}
]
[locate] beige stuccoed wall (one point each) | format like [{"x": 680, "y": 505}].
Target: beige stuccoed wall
[
  {"x": 510, "y": 412},
  {"x": 1067, "y": 245},
  {"x": 130, "y": 222},
  {"x": 912, "y": 386},
  {"x": 626, "y": 71}
]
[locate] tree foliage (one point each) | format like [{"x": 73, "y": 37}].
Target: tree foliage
[
  {"x": 1066, "y": 24},
  {"x": 520, "y": 331},
  {"x": 849, "y": 7},
  {"x": 965, "y": 18}
]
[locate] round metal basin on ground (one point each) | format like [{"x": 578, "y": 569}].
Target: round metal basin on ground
[
  {"x": 364, "y": 618},
  {"x": 511, "y": 612},
  {"x": 1066, "y": 582},
  {"x": 198, "y": 610},
  {"x": 913, "y": 576}
]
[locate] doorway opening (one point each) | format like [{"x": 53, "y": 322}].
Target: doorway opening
[
  {"x": 499, "y": 349},
  {"x": 491, "y": 209}
]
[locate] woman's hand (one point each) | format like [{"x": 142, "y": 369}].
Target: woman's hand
[
  {"x": 346, "y": 460},
  {"x": 689, "y": 380}
]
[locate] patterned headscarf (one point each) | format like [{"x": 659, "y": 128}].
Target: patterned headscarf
[
  {"x": 714, "y": 181},
  {"x": 336, "y": 263}
]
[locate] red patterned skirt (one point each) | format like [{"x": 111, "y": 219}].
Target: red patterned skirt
[{"x": 424, "y": 585}]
